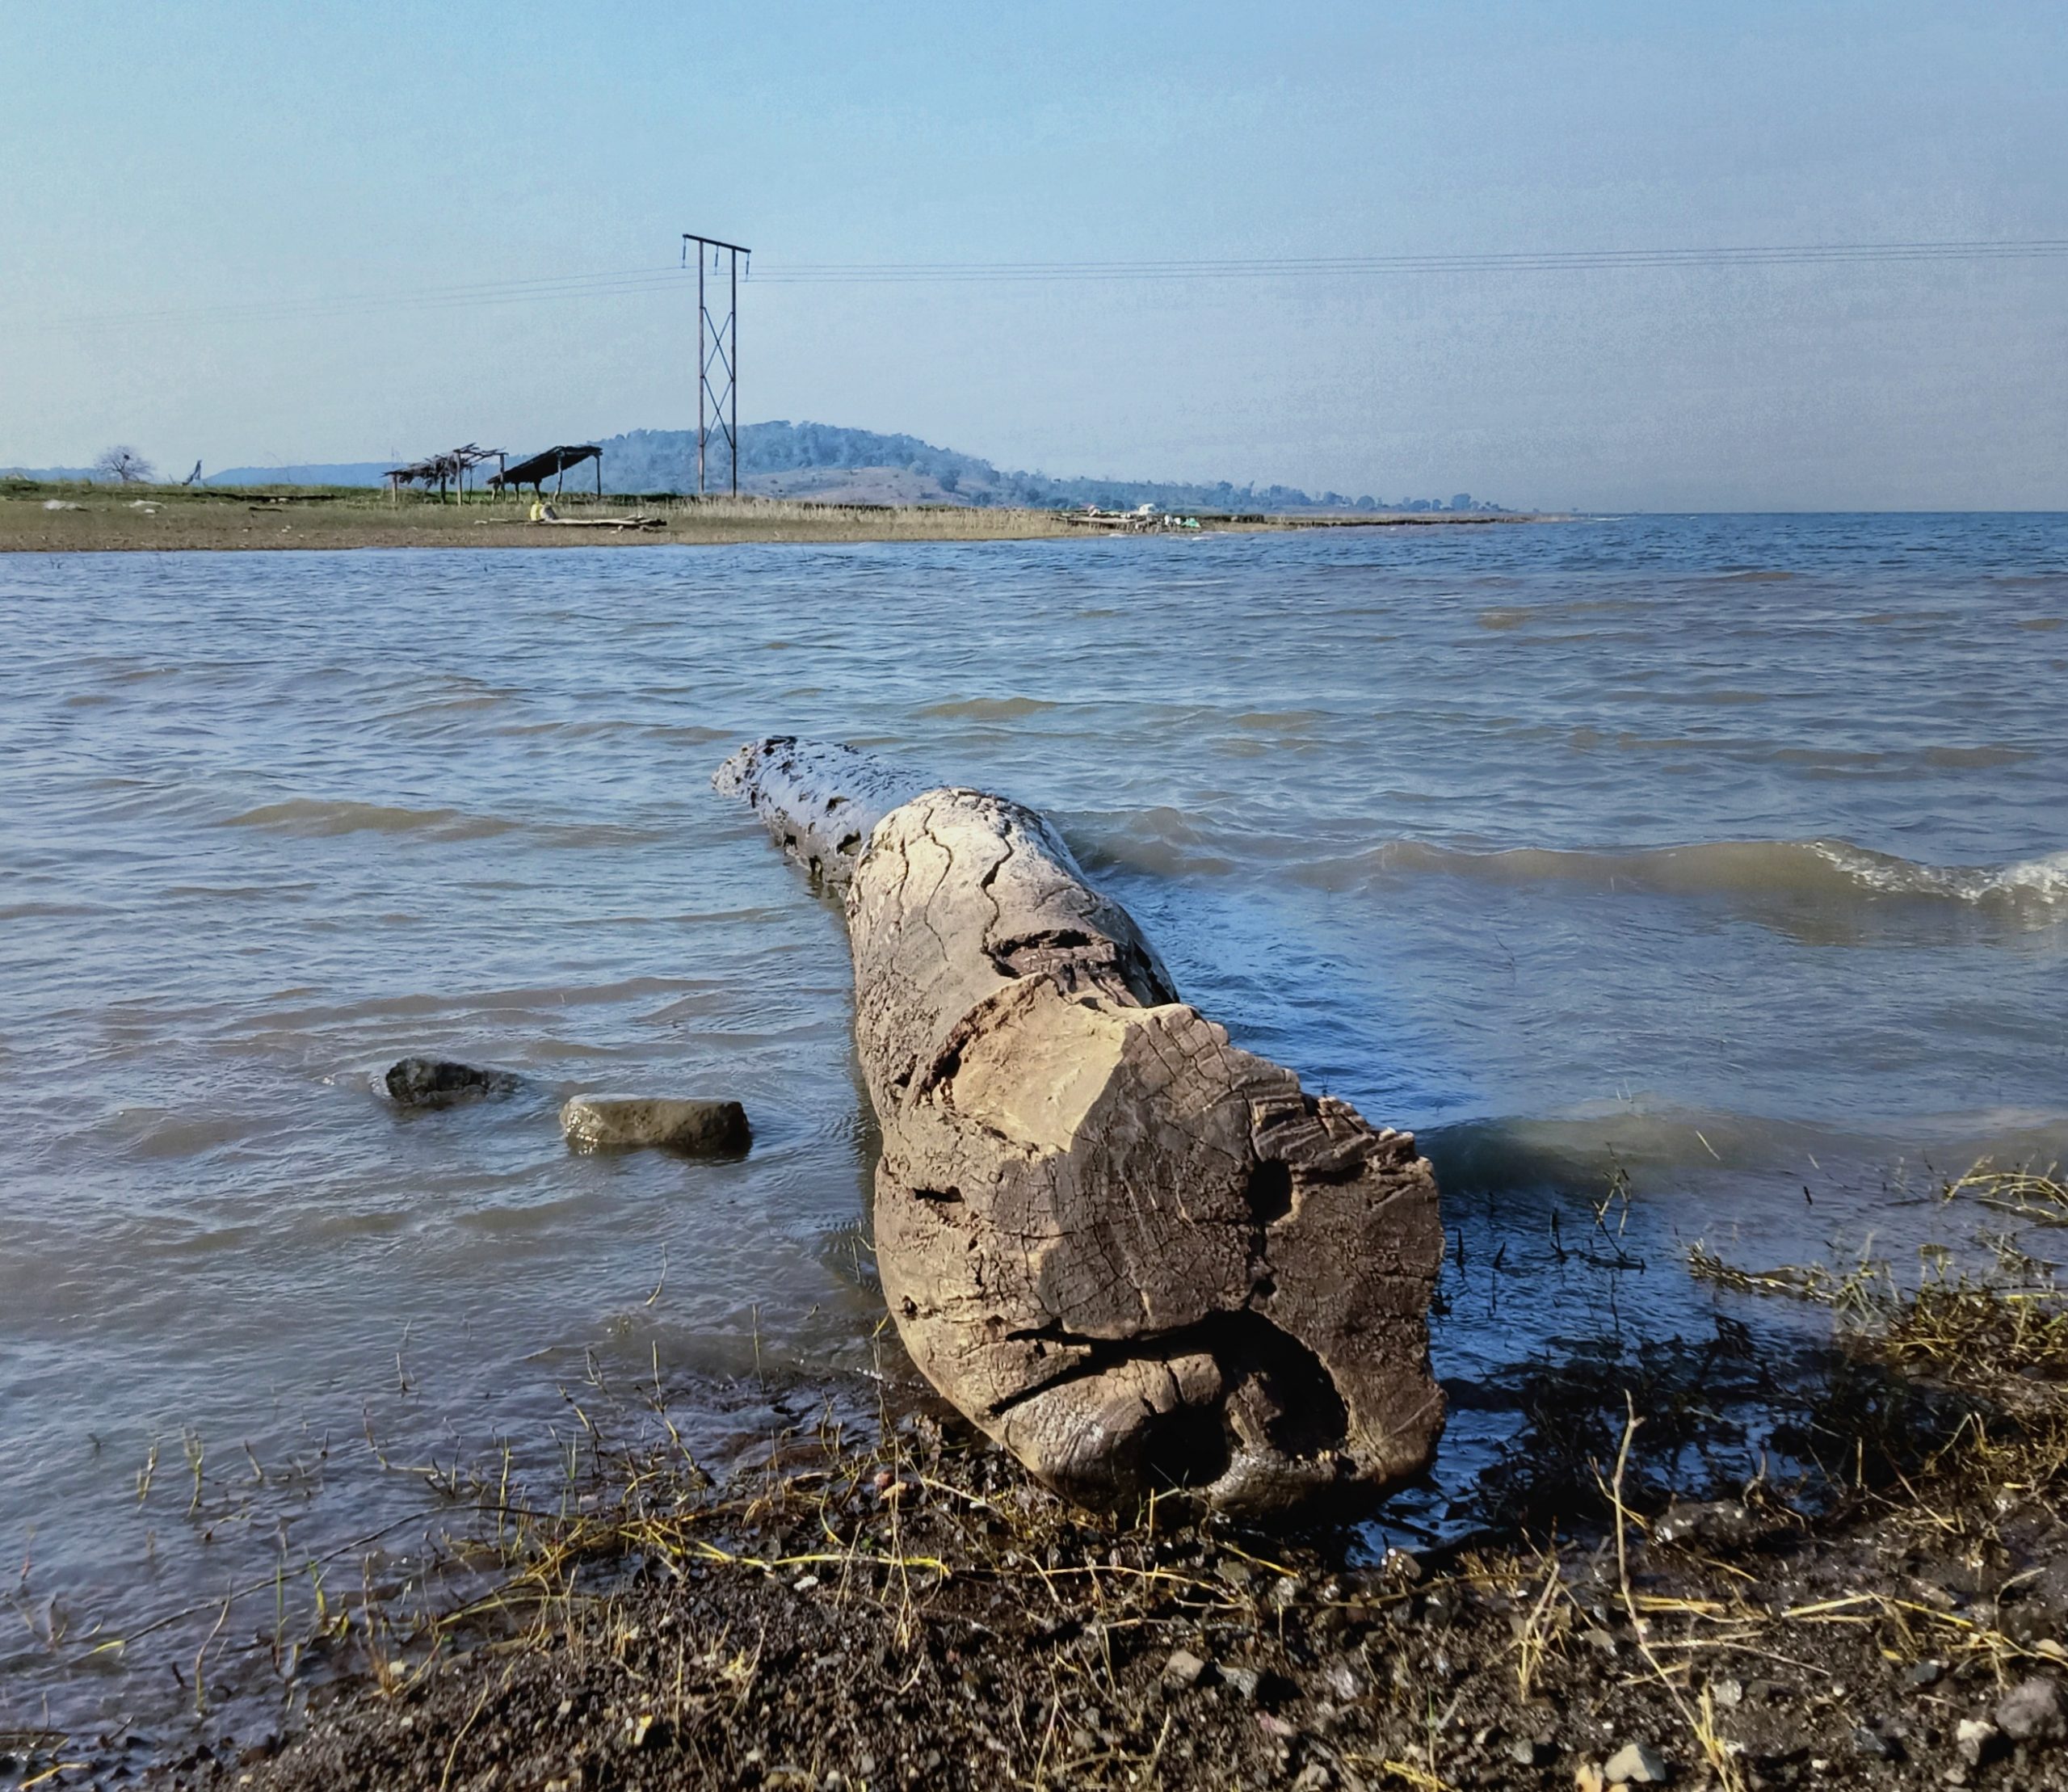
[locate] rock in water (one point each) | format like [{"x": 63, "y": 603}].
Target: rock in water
[
  {"x": 611, "y": 1123},
  {"x": 440, "y": 1083},
  {"x": 1133, "y": 1254}
]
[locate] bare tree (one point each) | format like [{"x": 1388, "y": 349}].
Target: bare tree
[{"x": 125, "y": 465}]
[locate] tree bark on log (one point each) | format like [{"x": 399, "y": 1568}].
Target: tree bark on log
[{"x": 1132, "y": 1253}]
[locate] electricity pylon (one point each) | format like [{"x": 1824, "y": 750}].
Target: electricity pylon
[{"x": 719, "y": 397}]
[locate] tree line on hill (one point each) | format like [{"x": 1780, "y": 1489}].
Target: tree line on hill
[
  {"x": 665, "y": 459},
  {"x": 655, "y": 460}
]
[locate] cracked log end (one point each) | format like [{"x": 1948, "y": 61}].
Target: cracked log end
[
  {"x": 1141, "y": 1257},
  {"x": 1137, "y": 1256}
]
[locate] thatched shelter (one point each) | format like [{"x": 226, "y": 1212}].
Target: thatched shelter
[
  {"x": 551, "y": 463},
  {"x": 441, "y": 470}
]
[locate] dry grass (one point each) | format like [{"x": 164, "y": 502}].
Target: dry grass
[
  {"x": 522, "y": 1568},
  {"x": 1961, "y": 1382},
  {"x": 849, "y": 1499},
  {"x": 1800, "y": 1282},
  {"x": 1698, "y": 1715},
  {"x": 2039, "y": 1197},
  {"x": 1544, "y": 1622}
]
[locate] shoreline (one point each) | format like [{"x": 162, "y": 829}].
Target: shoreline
[
  {"x": 83, "y": 519},
  {"x": 913, "y": 1613},
  {"x": 909, "y": 1609}
]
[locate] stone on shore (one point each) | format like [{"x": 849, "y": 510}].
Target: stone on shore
[
  {"x": 1976, "y": 1740},
  {"x": 2034, "y": 1710},
  {"x": 441, "y": 1082},
  {"x": 621, "y": 1123},
  {"x": 1183, "y": 1669},
  {"x": 1635, "y": 1764}
]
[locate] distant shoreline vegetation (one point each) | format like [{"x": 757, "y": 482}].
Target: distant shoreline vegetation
[{"x": 828, "y": 463}]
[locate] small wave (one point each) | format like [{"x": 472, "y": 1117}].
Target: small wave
[
  {"x": 592, "y": 728},
  {"x": 54, "y": 911},
  {"x": 451, "y": 706},
  {"x": 986, "y": 709},
  {"x": 232, "y": 892},
  {"x": 1957, "y": 758},
  {"x": 689, "y": 734},
  {"x": 316, "y": 818},
  {"x": 460, "y": 1011},
  {"x": 373, "y": 1223},
  {"x": 1265, "y": 722},
  {"x": 583, "y": 834},
  {"x": 1582, "y": 1148},
  {"x": 1162, "y": 842},
  {"x": 1833, "y": 870},
  {"x": 155, "y": 1133}
]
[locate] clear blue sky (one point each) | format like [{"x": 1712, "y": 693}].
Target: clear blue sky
[{"x": 177, "y": 159}]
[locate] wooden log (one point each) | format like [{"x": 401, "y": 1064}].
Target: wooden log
[{"x": 1134, "y": 1254}]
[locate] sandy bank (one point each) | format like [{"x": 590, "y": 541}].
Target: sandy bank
[{"x": 90, "y": 519}]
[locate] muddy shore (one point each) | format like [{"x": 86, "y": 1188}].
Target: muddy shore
[
  {"x": 923, "y": 1618},
  {"x": 907, "y": 1609}
]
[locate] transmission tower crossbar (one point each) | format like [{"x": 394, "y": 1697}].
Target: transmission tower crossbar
[{"x": 717, "y": 347}]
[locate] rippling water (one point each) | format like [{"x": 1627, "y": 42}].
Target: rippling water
[{"x": 1730, "y": 852}]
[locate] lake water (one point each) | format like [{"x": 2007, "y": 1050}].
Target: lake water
[{"x": 1724, "y": 861}]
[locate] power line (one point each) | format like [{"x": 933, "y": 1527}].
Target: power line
[
  {"x": 604, "y": 283},
  {"x": 520, "y": 291},
  {"x": 1524, "y": 261}
]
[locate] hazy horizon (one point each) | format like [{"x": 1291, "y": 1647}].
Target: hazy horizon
[{"x": 244, "y": 239}]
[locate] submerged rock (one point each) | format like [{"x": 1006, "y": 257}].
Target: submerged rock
[
  {"x": 440, "y": 1082},
  {"x": 617, "y": 1123}
]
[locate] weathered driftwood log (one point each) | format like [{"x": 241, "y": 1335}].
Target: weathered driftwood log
[{"x": 1135, "y": 1254}]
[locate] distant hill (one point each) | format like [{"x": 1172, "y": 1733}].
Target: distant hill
[
  {"x": 334, "y": 472},
  {"x": 830, "y": 465},
  {"x": 821, "y": 461}
]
